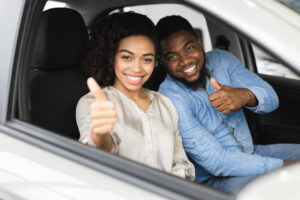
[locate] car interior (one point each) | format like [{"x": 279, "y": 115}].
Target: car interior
[{"x": 56, "y": 79}]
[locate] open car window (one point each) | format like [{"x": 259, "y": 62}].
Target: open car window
[
  {"x": 43, "y": 109},
  {"x": 267, "y": 64},
  {"x": 48, "y": 81}
]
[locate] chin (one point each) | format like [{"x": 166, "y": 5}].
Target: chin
[
  {"x": 134, "y": 87},
  {"x": 193, "y": 78}
]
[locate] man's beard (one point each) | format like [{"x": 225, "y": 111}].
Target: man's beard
[{"x": 200, "y": 82}]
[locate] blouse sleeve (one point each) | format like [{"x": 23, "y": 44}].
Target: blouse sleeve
[
  {"x": 85, "y": 125},
  {"x": 181, "y": 166}
]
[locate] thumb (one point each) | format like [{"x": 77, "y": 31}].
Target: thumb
[
  {"x": 215, "y": 84},
  {"x": 96, "y": 89}
]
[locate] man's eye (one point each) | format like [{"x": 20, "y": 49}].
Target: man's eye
[
  {"x": 171, "y": 58},
  {"x": 190, "y": 48},
  {"x": 126, "y": 57}
]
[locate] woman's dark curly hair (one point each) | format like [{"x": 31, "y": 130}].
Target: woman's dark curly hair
[{"x": 106, "y": 34}]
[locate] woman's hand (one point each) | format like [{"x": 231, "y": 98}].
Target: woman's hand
[{"x": 103, "y": 115}]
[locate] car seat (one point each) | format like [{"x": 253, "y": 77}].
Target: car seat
[{"x": 57, "y": 80}]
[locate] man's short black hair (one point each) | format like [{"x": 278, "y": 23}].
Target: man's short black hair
[{"x": 168, "y": 25}]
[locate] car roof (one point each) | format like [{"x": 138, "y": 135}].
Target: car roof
[{"x": 269, "y": 23}]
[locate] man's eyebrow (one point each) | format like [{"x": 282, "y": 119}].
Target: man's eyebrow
[
  {"x": 187, "y": 43},
  {"x": 184, "y": 46},
  {"x": 127, "y": 51}
]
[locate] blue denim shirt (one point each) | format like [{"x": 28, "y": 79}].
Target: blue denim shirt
[{"x": 221, "y": 145}]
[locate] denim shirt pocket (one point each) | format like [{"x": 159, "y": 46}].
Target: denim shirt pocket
[{"x": 189, "y": 143}]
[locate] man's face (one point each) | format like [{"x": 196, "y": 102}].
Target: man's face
[{"x": 183, "y": 56}]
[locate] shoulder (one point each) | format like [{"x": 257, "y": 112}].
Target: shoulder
[
  {"x": 165, "y": 102},
  {"x": 160, "y": 97},
  {"x": 220, "y": 60},
  {"x": 172, "y": 88},
  {"x": 216, "y": 56},
  {"x": 217, "y": 53}
]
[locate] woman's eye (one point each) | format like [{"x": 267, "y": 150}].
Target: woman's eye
[
  {"x": 126, "y": 57},
  {"x": 148, "y": 60}
]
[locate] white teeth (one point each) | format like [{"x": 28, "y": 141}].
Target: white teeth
[
  {"x": 134, "y": 78},
  {"x": 191, "y": 69}
]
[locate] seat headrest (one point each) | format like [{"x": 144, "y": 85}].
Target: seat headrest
[{"x": 61, "y": 40}]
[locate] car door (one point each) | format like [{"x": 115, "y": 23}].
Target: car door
[
  {"x": 37, "y": 163},
  {"x": 282, "y": 125}
]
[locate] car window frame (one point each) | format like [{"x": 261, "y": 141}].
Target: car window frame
[
  {"x": 136, "y": 174},
  {"x": 19, "y": 127},
  {"x": 245, "y": 35}
]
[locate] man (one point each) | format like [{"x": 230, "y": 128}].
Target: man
[{"x": 213, "y": 127}]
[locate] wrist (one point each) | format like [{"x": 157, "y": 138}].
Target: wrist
[
  {"x": 103, "y": 141},
  {"x": 252, "y": 100}
]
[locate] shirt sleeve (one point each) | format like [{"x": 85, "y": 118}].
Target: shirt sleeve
[
  {"x": 208, "y": 152},
  {"x": 181, "y": 166},
  {"x": 241, "y": 77},
  {"x": 85, "y": 125}
]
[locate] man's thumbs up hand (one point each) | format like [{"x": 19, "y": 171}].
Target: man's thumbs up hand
[
  {"x": 103, "y": 115},
  {"x": 215, "y": 84},
  {"x": 227, "y": 99}
]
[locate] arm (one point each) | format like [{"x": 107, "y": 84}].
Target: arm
[
  {"x": 241, "y": 77},
  {"x": 227, "y": 99},
  {"x": 209, "y": 153},
  {"x": 95, "y": 118},
  {"x": 181, "y": 165}
]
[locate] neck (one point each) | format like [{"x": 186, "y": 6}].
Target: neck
[{"x": 132, "y": 94}]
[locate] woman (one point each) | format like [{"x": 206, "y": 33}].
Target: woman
[{"x": 125, "y": 118}]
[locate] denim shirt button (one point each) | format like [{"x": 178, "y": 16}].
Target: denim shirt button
[{"x": 194, "y": 142}]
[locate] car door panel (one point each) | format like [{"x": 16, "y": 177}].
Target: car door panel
[{"x": 283, "y": 124}]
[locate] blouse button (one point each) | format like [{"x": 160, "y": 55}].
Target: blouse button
[{"x": 194, "y": 142}]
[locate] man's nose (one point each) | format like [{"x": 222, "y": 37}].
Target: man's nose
[{"x": 184, "y": 60}]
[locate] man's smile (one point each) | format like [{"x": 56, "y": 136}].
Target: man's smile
[{"x": 190, "y": 71}]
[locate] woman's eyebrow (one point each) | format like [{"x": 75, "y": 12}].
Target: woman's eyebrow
[
  {"x": 125, "y": 50},
  {"x": 149, "y": 54},
  {"x": 146, "y": 54}
]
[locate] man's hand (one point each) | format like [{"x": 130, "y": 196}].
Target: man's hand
[
  {"x": 103, "y": 115},
  {"x": 227, "y": 99},
  {"x": 289, "y": 162}
]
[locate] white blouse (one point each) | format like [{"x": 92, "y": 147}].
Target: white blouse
[{"x": 150, "y": 138}]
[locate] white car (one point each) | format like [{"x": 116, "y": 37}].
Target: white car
[{"x": 41, "y": 81}]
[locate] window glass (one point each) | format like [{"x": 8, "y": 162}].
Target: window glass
[
  {"x": 54, "y": 4},
  {"x": 197, "y": 19},
  {"x": 292, "y": 4},
  {"x": 266, "y": 64}
]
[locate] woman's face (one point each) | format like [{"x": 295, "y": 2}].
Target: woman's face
[{"x": 134, "y": 63}]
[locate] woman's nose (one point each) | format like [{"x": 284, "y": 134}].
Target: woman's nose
[{"x": 137, "y": 66}]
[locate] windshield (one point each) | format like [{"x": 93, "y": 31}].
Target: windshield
[{"x": 292, "y": 4}]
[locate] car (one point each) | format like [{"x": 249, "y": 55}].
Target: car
[{"x": 41, "y": 82}]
